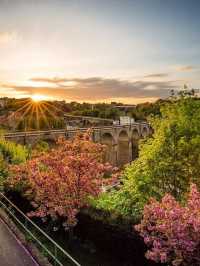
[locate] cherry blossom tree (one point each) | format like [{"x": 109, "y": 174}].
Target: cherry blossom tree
[
  {"x": 61, "y": 182},
  {"x": 171, "y": 230}
]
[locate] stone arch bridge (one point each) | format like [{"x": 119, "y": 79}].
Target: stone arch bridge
[{"x": 122, "y": 140}]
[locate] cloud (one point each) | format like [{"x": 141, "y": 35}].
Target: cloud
[
  {"x": 185, "y": 68},
  {"x": 48, "y": 80},
  {"x": 178, "y": 68},
  {"x": 157, "y": 75},
  {"x": 96, "y": 88}
]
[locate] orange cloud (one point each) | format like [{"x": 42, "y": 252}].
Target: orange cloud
[{"x": 95, "y": 89}]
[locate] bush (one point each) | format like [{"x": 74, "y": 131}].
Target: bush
[
  {"x": 41, "y": 146},
  {"x": 10, "y": 153},
  {"x": 13, "y": 153}
]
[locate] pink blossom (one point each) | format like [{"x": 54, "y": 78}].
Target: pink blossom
[{"x": 172, "y": 231}]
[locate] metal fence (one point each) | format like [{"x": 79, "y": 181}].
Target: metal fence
[{"x": 56, "y": 255}]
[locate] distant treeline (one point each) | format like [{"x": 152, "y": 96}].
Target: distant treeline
[
  {"x": 24, "y": 114},
  {"x": 111, "y": 110}
]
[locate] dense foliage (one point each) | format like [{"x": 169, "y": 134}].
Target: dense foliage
[
  {"x": 172, "y": 231},
  {"x": 10, "y": 153},
  {"x": 41, "y": 146},
  {"x": 167, "y": 163},
  {"x": 59, "y": 183}
]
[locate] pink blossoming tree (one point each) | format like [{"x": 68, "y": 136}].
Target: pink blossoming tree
[
  {"x": 172, "y": 231},
  {"x": 60, "y": 183}
]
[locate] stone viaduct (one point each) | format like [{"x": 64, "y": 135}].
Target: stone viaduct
[{"x": 122, "y": 141}]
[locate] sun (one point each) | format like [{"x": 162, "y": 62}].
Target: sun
[{"x": 38, "y": 97}]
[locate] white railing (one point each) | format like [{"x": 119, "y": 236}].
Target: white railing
[{"x": 55, "y": 253}]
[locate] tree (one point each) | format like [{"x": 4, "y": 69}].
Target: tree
[
  {"x": 168, "y": 161},
  {"x": 59, "y": 183},
  {"x": 172, "y": 231}
]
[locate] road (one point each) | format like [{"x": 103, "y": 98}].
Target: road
[{"x": 12, "y": 253}]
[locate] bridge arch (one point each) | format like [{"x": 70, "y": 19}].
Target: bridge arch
[
  {"x": 107, "y": 139},
  {"x": 123, "y": 148},
  {"x": 145, "y": 132},
  {"x": 135, "y": 134}
]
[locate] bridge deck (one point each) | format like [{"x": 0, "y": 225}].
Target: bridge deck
[
  {"x": 63, "y": 131},
  {"x": 12, "y": 253}
]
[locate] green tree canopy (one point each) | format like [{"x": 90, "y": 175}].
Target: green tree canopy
[
  {"x": 168, "y": 161},
  {"x": 10, "y": 153}
]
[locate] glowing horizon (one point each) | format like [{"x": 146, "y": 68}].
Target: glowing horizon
[{"x": 39, "y": 97}]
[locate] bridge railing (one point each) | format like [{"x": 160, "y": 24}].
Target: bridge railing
[{"x": 56, "y": 255}]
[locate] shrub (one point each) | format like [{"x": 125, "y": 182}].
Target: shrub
[
  {"x": 13, "y": 153},
  {"x": 41, "y": 147},
  {"x": 10, "y": 153}
]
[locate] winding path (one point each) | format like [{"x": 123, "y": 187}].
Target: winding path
[{"x": 12, "y": 253}]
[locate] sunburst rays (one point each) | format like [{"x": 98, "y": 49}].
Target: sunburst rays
[{"x": 35, "y": 114}]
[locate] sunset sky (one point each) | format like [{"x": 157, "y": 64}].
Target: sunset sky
[{"x": 98, "y": 50}]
